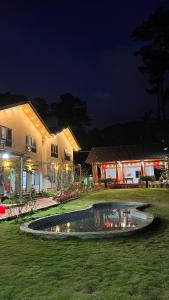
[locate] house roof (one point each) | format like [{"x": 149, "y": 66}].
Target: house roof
[
  {"x": 72, "y": 139},
  {"x": 126, "y": 153},
  {"x": 27, "y": 105}
]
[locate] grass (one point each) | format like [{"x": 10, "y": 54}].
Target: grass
[{"x": 133, "y": 268}]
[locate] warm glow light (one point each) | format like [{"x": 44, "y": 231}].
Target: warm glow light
[
  {"x": 56, "y": 167},
  {"x": 57, "y": 228},
  {"x": 30, "y": 168},
  {"x": 67, "y": 168},
  {"x": 6, "y": 164}
]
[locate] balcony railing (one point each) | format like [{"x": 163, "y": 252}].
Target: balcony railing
[{"x": 5, "y": 142}]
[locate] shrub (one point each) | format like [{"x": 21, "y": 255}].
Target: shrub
[
  {"x": 48, "y": 194},
  {"x": 147, "y": 179}
]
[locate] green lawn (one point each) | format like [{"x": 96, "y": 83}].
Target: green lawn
[{"x": 134, "y": 268}]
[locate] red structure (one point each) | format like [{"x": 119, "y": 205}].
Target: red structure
[{"x": 2, "y": 209}]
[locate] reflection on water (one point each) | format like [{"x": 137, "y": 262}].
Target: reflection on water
[{"x": 100, "y": 219}]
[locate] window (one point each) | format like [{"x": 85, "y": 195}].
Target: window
[
  {"x": 67, "y": 156},
  {"x": 35, "y": 178},
  {"x": 137, "y": 174},
  {"x": 54, "y": 150},
  {"x": 30, "y": 144},
  {"x": 5, "y": 136}
]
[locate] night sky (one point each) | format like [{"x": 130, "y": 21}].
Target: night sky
[{"x": 82, "y": 47}]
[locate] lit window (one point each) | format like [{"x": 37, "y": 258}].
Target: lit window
[
  {"x": 5, "y": 136},
  {"x": 54, "y": 150},
  {"x": 67, "y": 156},
  {"x": 30, "y": 144}
]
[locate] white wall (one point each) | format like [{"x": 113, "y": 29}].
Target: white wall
[
  {"x": 130, "y": 172},
  {"x": 149, "y": 170},
  {"x": 111, "y": 173}
]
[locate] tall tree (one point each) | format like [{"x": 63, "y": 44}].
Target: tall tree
[
  {"x": 42, "y": 106},
  {"x": 154, "y": 34},
  {"x": 71, "y": 111}
]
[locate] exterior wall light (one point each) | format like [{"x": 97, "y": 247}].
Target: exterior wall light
[{"x": 5, "y": 155}]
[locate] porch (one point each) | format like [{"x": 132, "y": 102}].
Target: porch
[
  {"x": 19, "y": 174},
  {"x": 123, "y": 174},
  {"x": 124, "y": 165}
]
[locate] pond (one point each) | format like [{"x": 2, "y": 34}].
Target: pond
[{"x": 100, "y": 220}]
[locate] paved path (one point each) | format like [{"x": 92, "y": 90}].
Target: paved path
[{"x": 40, "y": 203}]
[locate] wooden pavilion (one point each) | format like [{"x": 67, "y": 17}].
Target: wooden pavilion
[{"x": 125, "y": 164}]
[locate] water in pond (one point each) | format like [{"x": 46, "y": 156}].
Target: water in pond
[{"x": 105, "y": 218}]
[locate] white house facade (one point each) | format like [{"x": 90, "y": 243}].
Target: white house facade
[{"x": 30, "y": 155}]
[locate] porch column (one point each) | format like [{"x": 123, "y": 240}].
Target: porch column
[
  {"x": 122, "y": 171},
  {"x": 95, "y": 173},
  {"x": 28, "y": 181},
  {"x": 21, "y": 178},
  {"x": 117, "y": 172},
  {"x": 143, "y": 173},
  {"x": 103, "y": 173}
]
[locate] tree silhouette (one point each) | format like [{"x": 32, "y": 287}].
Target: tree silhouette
[
  {"x": 9, "y": 98},
  {"x": 154, "y": 34},
  {"x": 42, "y": 106},
  {"x": 71, "y": 111}
]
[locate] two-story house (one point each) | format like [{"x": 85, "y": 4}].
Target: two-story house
[{"x": 30, "y": 155}]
